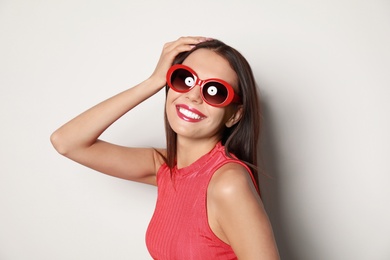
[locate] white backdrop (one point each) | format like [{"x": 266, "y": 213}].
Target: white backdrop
[{"x": 323, "y": 70}]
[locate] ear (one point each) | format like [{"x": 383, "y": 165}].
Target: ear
[{"x": 235, "y": 117}]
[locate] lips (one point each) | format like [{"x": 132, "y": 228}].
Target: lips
[{"x": 189, "y": 114}]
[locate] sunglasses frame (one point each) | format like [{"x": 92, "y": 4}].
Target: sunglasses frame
[{"x": 232, "y": 97}]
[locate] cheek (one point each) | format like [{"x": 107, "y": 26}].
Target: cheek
[
  {"x": 217, "y": 115},
  {"x": 227, "y": 114},
  {"x": 171, "y": 96}
]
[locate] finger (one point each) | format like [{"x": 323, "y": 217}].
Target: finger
[
  {"x": 186, "y": 40},
  {"x": 193, "y": 39},
  {"x": 172, "y": 49}
]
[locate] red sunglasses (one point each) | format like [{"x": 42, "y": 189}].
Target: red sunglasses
[{"x": 215, "y": 92}]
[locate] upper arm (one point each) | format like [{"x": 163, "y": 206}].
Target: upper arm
[
  {"x": 136, "y": 164},
  {"x": 240, "y": 213}
]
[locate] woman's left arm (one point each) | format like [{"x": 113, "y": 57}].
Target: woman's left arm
[{"x": 240, "y": 214}]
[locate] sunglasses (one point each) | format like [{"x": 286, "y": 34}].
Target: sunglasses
[{"x": 215, "y": 92}]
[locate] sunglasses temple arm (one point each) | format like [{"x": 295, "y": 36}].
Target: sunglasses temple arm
[{"x": 236, "y": 98}]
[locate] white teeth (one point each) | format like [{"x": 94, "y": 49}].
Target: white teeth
[{"x": 189, "y": 114}]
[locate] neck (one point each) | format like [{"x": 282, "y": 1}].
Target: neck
[{"x": 190, "y": 150}]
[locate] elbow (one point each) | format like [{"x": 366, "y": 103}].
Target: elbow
[{"x": 58, "y": 143}]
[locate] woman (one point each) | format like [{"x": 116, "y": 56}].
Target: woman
[{"x": 208, "y": 204}]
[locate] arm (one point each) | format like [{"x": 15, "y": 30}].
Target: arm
[
  {"x": 78, "y": 139},
  {"x": 239, "y": 214}
]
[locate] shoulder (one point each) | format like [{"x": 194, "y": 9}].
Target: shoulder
[
  {"x": 238, "y": 214},
  {"x": 231, "y": 182}
]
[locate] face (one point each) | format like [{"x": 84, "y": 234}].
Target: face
[{"x": 188, "y": 114}]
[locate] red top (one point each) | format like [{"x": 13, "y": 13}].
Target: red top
[{"x": 179, "y": 228}]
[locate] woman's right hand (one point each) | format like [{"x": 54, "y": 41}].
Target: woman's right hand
[{"x": 169, "y": 52}]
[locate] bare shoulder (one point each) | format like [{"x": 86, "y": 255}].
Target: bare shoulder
[
  {"x": 237, "y": 215},
  {"x": 230, "y": 180}
]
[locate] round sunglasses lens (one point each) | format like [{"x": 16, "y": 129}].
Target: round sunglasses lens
[
  {"x": 182, "y": 80},
  {"x": 215, "y": 92}
]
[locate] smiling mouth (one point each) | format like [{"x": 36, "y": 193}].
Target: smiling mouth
[{"x": 189, "y": 114}]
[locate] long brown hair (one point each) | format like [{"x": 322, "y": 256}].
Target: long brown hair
[{"x": 242, "y": 138}]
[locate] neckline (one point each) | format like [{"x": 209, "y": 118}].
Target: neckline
[{"x": 198, "y": 164}]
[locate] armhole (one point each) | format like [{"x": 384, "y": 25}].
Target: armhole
[{"x": 217, "y": 167}]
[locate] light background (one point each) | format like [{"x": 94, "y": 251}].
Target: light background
[{"x": 323, "y": 68}]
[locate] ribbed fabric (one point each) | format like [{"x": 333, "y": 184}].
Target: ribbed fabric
[{"x": 179, "y": 228}]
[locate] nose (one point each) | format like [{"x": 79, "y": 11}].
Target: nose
[{"x": 194, "y": 95}]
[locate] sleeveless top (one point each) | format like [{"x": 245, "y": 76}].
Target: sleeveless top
[{"x": 179, "y": 228}]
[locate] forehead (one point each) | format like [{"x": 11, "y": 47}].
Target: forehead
[{"x": 208, "y": 64}]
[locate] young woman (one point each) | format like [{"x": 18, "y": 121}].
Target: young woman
[{"x": 208, "y": 204}]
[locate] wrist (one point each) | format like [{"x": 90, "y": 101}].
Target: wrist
[{"x": 156, "y": 83}]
